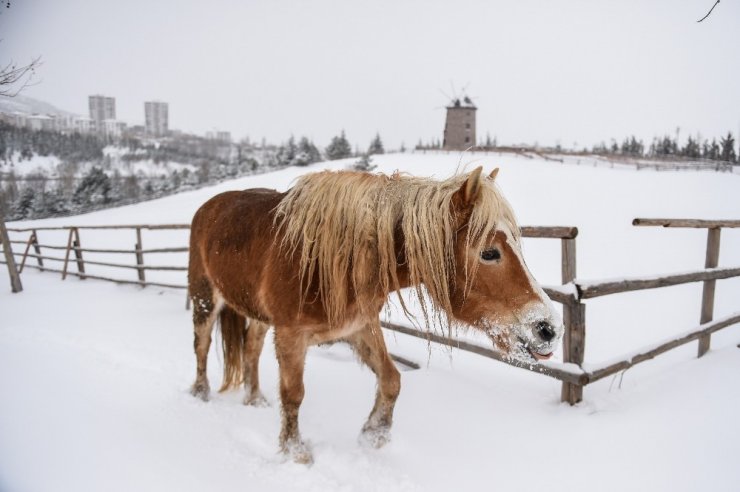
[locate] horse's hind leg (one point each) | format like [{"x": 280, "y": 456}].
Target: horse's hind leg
[
  {"x": 252, "y": 349},
  {"x": 206, "y": 306},
  {"x": 290, "y": 349},
  {"x": 370, "y": 347}
]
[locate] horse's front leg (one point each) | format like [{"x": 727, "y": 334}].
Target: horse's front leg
[
  {"x": 370, "y": 347},
  {"x": 290, "y": 349}
]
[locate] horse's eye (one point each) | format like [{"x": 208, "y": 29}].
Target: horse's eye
[{"x": 492, "y": 254}]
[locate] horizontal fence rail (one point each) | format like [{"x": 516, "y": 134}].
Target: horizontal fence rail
[
  {"x": 570, "y": 373},
  {"x": 570, "y": 294},
  {"x": 690, "y": 223},
  {"x": 590, "y": 289}
]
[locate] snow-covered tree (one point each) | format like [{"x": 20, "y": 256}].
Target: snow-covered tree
[
  {"x": 286, "y": 153},
  {"x": 94, "y": 189},
  {"x": 339, "y": 148},
  {"x": 24, "y": 205},
  {"x": 307, "y": 153},
  {"x": 364, "y": 163}
]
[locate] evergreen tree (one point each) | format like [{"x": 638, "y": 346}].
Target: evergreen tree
[
  {"x": 691, "y": 149},
  {"x": 307, "y": 153},
  {"x": 94, "y": 189},
  {"x": 714, "y": 150},
  {"x": 364, "y": 163},
  {"x": 376, "y": 146},
  {"x": 728, "y": 149},
  {"x": 339, "y": 148},
  {"x": 705, "y": 149},
  {"x": 130, "y": 188},
  {"x": 49, "y": 203},
  {"x": 24, "y": 206},
  {"x": 286, "y": 153}
]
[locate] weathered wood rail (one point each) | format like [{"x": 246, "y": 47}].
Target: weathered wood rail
[
  {"x": 570, "y": 294},
  {"x": 73, "y": 253}
]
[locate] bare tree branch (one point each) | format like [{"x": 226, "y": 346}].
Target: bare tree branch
[
  {"x": 13, "y": 79},
  {"x": 710, "y": 11}
]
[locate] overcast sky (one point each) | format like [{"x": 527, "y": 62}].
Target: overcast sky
[{"x": 540, "y": 70}]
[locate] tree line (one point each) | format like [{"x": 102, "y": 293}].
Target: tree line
[
  {"x": 716, "y": 149},
  {"x": 96, "y": 172},
  {"x": 667, "y": 146},
  {"x": 305, "y": 151}
]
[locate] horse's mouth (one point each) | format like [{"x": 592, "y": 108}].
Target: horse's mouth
[
  {"x": 533, "y": 353},
  {"x": 538, "y": 356}
]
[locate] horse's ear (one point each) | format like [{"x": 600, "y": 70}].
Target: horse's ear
[
  {"x": 493, "y": 174},
  {"x": 464, "y": 198}
]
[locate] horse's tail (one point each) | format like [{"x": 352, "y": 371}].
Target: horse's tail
[{"x": 233, "y": 342}]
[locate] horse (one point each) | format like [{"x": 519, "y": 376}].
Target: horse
[{"x": 319, "y": 261}]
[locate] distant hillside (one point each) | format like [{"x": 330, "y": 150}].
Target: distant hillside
[{"x": 28, "y": 105}]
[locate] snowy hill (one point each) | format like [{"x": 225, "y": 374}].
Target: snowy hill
[
  {"x": 97, "y": 374},
  {"x": 28, "y": 105}
]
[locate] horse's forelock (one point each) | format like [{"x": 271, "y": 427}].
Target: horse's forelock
[{"x": 343, "y": 226}]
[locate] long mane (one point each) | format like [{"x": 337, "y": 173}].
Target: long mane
[{"x": 343, "y": 226}]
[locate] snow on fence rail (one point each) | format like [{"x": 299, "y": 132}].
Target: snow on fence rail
[{"x": 571, "y": 293}]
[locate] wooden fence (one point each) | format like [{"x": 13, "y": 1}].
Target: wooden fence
[
  {"x": 570, "y": 294},
  {"x": 73, "y": 247}
]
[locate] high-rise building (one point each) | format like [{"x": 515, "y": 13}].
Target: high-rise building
[
  {"x": 157, "y": 118},
  {"x": 460, "y": 124},
  {"x": 102, "y": 108}
]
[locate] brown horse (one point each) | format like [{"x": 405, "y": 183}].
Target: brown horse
[{"x": 319, "y": 262}]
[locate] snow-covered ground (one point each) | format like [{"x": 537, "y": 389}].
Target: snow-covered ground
[{"x": 96, "y": 375}]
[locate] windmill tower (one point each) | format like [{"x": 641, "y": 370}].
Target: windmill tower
[{"x": 460, "y": 124}]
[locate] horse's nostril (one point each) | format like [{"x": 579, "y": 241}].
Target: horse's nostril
[{"x": 545, "y": 331}]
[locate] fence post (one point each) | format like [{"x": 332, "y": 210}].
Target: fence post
[
  {"x": 37, "y": 248},
  {"x": 574, "y": 319},
  {"x": 78, "y": 254},
  {"x": 15, "y": 278},
  {"x": 25, "y": 253},
  {"x": 140, "y": 257},
  {"x": 66, "y": 254},
  {"x": 707, "y": 297}
]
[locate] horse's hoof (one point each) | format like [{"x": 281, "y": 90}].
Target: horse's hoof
[
  {"x": 257, "y": 400},
  {"x": 201, "y": 390},
  {"x": 376, "y": 437},
  {"x": 299, "y": 452}
]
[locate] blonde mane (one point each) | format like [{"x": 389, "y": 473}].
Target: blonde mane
[{"x": 342, "y": 226}]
